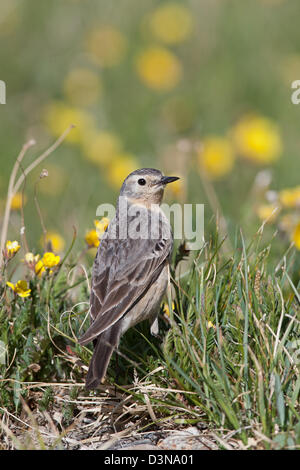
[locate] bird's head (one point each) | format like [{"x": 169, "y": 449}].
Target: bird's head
[{"x": 145, "y": 186}]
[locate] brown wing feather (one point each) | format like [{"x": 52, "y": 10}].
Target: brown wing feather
[{"x": 123, "y": 270}]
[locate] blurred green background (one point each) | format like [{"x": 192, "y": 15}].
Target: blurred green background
[{"x": 200, "y": 89}]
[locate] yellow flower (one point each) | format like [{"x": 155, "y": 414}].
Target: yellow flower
[
  {"x": 210, "y": 325},
  {"x": 12, "y": 248},
  {"x": 267, "y": 212},
  {"x": 39, "y": 268},
  {"x": 106, "y": 46},
  {"x": 167, "y": 309},
  {"x": 119, "y": 168},
  {"x": 216, "y": 157},
  {"x": 159, "y": 68},
  {"x": 171, "y": 23},
  {"x": 101, "y": 226},
  {"x": 59, "y": 116},
  {"x": 82, "y": 87},
  {"x": 16, "y": 202},
  {"x": 54, "y": 240},
  {"x": 31, "y": 259},
  {"x": 290, "y": 197},
  {"x": 296, "y": 236},
  {"x": 49, "y": 260},
  {"x": 101, "y": 147},
  {"x": 20, "y": 288},
  {"x": 257, "y": 139},
  {"x": 93, "y": 236},
  {"x": 92, "y": 239}
]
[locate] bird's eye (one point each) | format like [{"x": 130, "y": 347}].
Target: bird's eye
[{"x": 142, "y": 181}]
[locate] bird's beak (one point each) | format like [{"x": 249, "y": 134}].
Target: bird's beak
[{"x": 168, "y": 179}]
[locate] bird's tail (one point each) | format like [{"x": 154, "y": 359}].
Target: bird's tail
[{"x": 103, "y": 349}]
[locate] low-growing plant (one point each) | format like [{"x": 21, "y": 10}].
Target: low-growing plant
[
  {"x": 228, "y": 354},
  {"x": 232, "y": 350}
]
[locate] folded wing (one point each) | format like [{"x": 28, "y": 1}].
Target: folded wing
[{"x": 123, "y": 271}]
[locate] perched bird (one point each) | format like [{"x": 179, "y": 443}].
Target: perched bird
[{"x": 130, "y": 271}]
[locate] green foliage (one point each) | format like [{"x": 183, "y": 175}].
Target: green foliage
[
  {"x": 36, "y": 332},
  {"x": 243, "y": 370},
  {"x": 228, "y": 353},
  {"x": 47, "y": 399},
  {"x": 69, "y": 407}
]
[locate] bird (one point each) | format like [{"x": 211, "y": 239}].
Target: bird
[{"x": 130, "y": 270}]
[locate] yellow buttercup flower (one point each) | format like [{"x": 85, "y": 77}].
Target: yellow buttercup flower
[
  {"x": 20, "y": 288},
  {"x": 92, "y": 238},
  {"x": 210, "y": 325},
  {"x": 171, "y": 23},
  {"x": 296, "y": 236},
  {"x": 119, "y": 168},
  {"x": 12, "y": 248},
  {"x": 59, "y": 116},
  {"x": 257, "y": 139},
  {"x": 39, "y": 268},
  {"x": 101, "y": 226},
  {"x": 267, "y": 212},
  {"x": 31, "y": 259},
  {"x": 101, "y": 147},
  {"x": 167, "y": 309},
  {"x": 55, "y": 241},
  {"x": 290, "y": 197},
  {"x": 82, "y": 87},
  {"x": 49, "y": 260},
  {"x": 158, "y": 68},
  {"x": 16, "y": 202},
  {"x": 216, "y": 157},
  {"x": 106, "y": 46}
]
